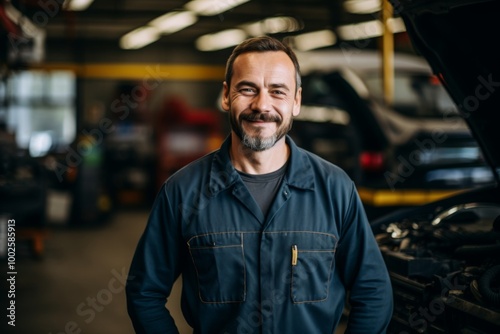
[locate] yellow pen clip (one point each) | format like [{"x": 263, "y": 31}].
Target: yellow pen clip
[{"x": 295, "y": 254}]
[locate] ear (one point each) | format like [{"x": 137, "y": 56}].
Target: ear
[
  {"x": 297, "y": 102},
  {"x": 225, "y": 97}
]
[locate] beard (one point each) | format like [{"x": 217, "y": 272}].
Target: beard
[{"x": 257, "y": 142}]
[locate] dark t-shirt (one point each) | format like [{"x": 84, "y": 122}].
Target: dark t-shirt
[{"x": 263, "y": 187}]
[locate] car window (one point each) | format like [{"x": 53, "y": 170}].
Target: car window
[
  {"x": 321, "y": 90},
  {"x": 334, "y": 91},
  {"x": 415, "y": 94}
]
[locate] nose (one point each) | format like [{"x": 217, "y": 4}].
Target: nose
[{"x": 261, "y": 102}]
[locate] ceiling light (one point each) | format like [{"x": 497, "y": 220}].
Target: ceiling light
[
  {"x": 139, "y": 37},
  {"x": 220, "y": 40},
  {"x": 314, "y": 40},
  {"x": 174, "y": 21},
  {"x": 369, "y": 29},
  {"x": 77, "y": 5},
  {"x": 362, "y": 6},
  {"x": 272, "y": 25},
  {"x": 254, "y": 29},
  {"x": 212, "y": 7},
  {"x": 363, "y": 30},
  {"x": 396, "y": 25},
  {"x": 281, "y": 24}
]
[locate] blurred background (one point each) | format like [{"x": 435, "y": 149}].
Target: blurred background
[{"x": 100, "y": 101}]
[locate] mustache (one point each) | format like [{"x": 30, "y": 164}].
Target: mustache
[{"x": 265, "y": 117}]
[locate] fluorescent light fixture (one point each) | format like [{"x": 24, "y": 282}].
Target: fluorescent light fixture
[
  {"x": 165, "y": 24},
  {"x": 220, "y": 40},
  {"x": 363, "y": 6},
  {"x": 139, "y": 37},
  {"x": 272, "y": 25},
  {"x": 254, "y": 29},
  {"x": 363, "y": 30},
  {"x": 314, "y": 40},
  {"x": 77, "y": 5},
  {"x": 174, "y": 21},
  {"x": 212, "y": 7},
  {"x": 396, "y": 25},
  {"x": 369, "y": 29}
]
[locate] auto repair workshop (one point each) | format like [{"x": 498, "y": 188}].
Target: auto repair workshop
[{"x": 102, "y": 102}]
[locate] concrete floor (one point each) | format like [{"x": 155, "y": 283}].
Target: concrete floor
[{"x": 77, "y": 287}]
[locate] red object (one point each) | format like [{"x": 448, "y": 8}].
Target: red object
[
  {"x": 372, "y": 161},
  {"x": 184, "y": 134},
  {"x": 8, "y": 24}
]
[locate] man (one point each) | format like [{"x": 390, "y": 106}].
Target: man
[{"x": 268, "y": 237}]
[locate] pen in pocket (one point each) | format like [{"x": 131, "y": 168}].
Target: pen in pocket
[{"x": 294, "y": 255}]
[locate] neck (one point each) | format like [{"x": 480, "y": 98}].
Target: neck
[{"x": 258, "y": 162}]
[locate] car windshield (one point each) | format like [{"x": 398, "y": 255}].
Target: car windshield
[{"x": 415, "y": 94}]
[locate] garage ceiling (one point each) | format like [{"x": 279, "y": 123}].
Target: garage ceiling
[{"x": 108, "y": 20}]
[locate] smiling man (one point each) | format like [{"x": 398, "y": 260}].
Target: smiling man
[
  {"x": 263, "y": 98},
  {"x": 269, "y": 238}
]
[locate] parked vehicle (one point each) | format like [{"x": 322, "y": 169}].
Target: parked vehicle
[
  {"x": 411, "y": 152},
  {"x": 444, "y": 257}
]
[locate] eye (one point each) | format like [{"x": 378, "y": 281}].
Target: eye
[
  {"x": 278, "y": 92},
  {"x": 247, "y": 90}
]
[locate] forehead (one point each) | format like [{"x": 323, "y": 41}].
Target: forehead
[{"x": 268, "y": 64}]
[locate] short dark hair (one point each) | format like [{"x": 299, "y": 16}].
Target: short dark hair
[{"x": 262, "y": 44}]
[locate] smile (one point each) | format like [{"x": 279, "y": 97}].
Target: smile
[{"x": 260, "y": 118}]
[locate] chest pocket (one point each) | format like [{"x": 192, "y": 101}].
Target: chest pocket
[
  {"x": 312, "y": 267},
  {"x": 220, "y": 267}
]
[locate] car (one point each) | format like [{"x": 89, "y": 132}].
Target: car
[
  {"x": 444, "y": 257},
  {"x": 410, "y": 151}
]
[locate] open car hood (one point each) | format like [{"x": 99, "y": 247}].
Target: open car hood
[{"x": 459, "y": 40}]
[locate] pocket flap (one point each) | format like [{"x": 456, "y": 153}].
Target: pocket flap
[{"x": 211, "y": 240}]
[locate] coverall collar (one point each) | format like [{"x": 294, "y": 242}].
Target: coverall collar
[{"x": 223, "y": 174}]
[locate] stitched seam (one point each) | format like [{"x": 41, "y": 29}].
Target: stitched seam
[
  {"x": 327, "y": 283},
  {"x": 198, "y": 275}
]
